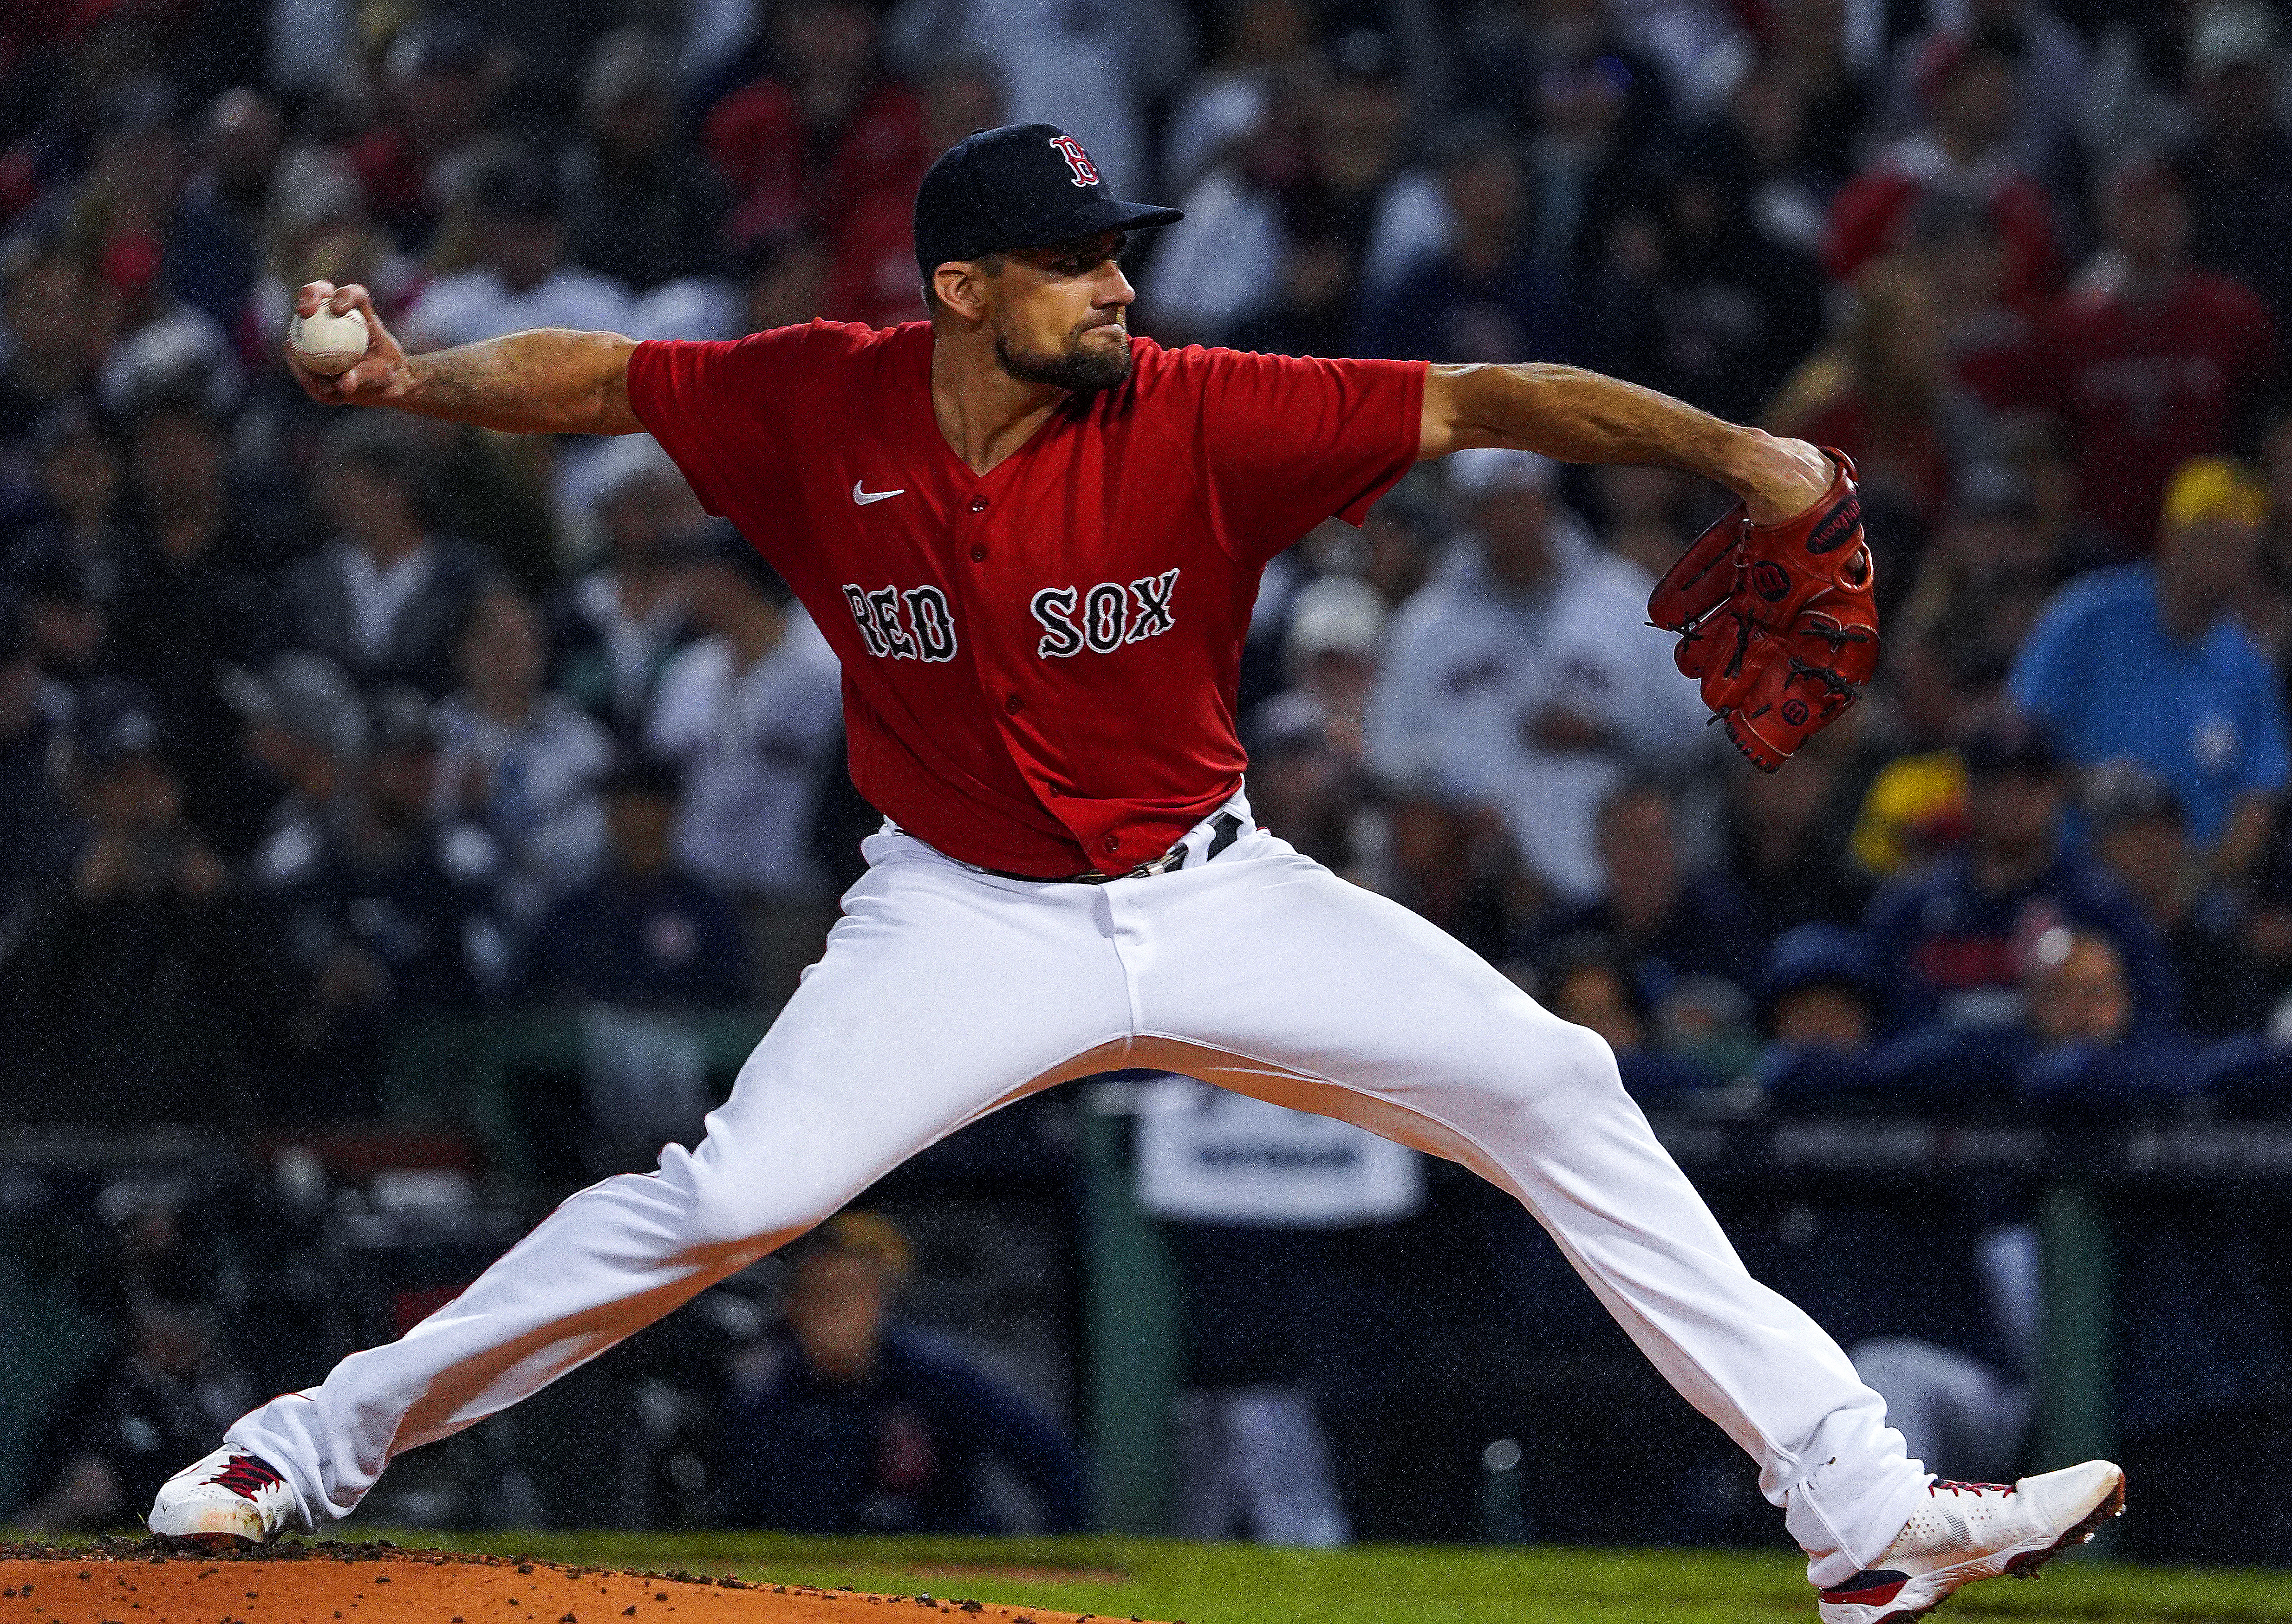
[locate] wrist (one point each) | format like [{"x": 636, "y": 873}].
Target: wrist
[{"x": 1778, "y": 480}]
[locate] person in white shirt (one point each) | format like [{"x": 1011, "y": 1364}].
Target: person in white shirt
[
  {"x": 613, "y": 629},
  {"x": 753, "y": 714},
  {"x": 1525, "y": 679},
  {"x": 520, "y": 280},
  {"x": 521, "y": 761}
]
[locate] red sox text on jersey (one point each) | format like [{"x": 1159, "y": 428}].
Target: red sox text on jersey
[{"x": 1040, "y": 660}]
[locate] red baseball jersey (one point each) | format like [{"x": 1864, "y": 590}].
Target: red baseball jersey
[
  {"x": 1040, "y": 662},
  {"x": 2149, "y": 383}
]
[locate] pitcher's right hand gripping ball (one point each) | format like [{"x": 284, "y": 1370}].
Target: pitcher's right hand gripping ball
[{"x": 1777, "y": 621}]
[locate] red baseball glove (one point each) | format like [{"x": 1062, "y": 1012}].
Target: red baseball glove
[{"x": 1777, "y": 621}]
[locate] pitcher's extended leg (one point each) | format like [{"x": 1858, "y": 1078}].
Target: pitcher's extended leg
[
  {"x": 1293, "y": 985},
  {"x": 940, "y": 997}
]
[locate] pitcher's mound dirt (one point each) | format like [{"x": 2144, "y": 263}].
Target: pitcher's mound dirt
[{"x": 132, "y": 1581}]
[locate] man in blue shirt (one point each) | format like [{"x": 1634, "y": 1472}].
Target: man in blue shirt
[
  {"x": 1949, "y": 941},
  {"x": 2147, "y": 662},
  {"x": 852, "y": 1422}
]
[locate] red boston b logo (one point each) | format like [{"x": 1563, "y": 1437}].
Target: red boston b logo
[{"x": 1085, "y": 172}]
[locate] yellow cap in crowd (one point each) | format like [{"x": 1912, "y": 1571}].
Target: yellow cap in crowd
[{"x": 2215, "y": 488}]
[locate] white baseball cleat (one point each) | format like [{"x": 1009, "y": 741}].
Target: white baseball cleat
[
  {"x": 231, "y": 1500},
  {"x": 1965, "y": 1531}
]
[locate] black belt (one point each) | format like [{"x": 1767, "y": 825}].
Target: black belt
[{"x": 1225, "y": 829}]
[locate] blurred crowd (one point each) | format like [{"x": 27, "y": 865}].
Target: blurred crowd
[
  {"x": 314, "y": 725},
  {"x": 317, "y": 726}
]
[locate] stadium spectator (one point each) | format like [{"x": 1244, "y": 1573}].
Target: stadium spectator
[
  {"x": 1268, "y": 256},
  {"x": 751, "y": 713},
  {"x": 51, "y": 321},
  {"x": 1094, "y": 71},
  {"x": 189, "y": 601},
  {"x": 1308, "y": 779},
  {"x": 140, "y": 973},
  {"x": 1995, "y": 352},
  {"x": 1948, "y": 940},
  {"x": 1586, "y": 979},
  {"x": 79, "y": 480},
  {"x": 2134, "y": 825},
  {"x": 639, "y": 208},
  {"x": 387, "y": 598},
  {"x": 2146, "y": 661},
  {"x": 109, "y": 1435},
  {"x": 2154, "y": 359},
  {"x": 1884, "y": 394},
  {"x": 1968, "y": 84},
  {"x": 831, "y": 146},
  {"x": 1986, "y": 573},
  {"x": 1526, "y": 681},
  {"x": 119, "y": 228},
  {"x": 848, "y": 1420},
  {"x": 521, "y": 762},
  {"x": 1266, "y": 45},
  {"x": 647, "y": 933},
  {"x": 2240, "y": 169},
  {"x": 1663, "y": 917},
  {"x": 1915, "y": 806},
  {"x": 439, "y": 81},
  {"x": 1398, "y": 540},
  {"x": 1787, "y": 839},
  {"x": 303, "y": 726},
  {"x": 1563, "y": 72},
  {"x": 215, "y": 238},
  {"x": 67, "y": 603},
  {"x": 32, "y": 806},
  {"x": 1687, "y": 297},
  {"x": 1484, "y": 295},
  {"x": 516, "y": 207},
  {"x": 1818, "y": 998},
  {"x": 2049, "y": 86},
  {"x": 388, "y": 913},
  {"x": 1817, "y": 986},
  {"x": 612, "y": 629}
]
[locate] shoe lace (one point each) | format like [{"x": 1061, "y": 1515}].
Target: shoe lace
[
  {"x": 245, "y": 1475},
  {"x": 1942, "y": 1484}
]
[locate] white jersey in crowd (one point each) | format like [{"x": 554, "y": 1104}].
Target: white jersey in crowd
[
  {"x": 750, "y": 745},
  {"x": 1473, "y": 661},
  {"x": 534, "y": 787},
  {"x": 473, "y": 305}
]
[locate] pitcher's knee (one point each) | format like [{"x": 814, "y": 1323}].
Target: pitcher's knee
[
  {"x": 756, "y": 1208},
  {"x": 1559, "y": 1069}
]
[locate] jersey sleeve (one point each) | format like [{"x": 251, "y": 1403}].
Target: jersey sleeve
[
  {"x": 1290, "y": 441},
  {"x": 717, "y": 406}
]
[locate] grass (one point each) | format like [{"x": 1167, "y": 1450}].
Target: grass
[{"x": 1236, "y": 1584}]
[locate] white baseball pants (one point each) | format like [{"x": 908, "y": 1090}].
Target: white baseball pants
[{"x": 945, "y": 993}]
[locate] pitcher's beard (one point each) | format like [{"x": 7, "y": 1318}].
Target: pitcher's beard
[{"x": 1082, "y": 370}]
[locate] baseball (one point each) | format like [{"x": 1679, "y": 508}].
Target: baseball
[{"x": 327, "y": 343}]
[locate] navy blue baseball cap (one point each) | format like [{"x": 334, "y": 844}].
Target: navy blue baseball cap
[{"x": 1022, "y": 186}]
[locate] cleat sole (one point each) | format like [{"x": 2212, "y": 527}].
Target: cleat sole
[{"x": 206, "y": 1545}]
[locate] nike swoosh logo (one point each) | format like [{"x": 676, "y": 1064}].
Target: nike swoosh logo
[{"x": 863, "y": 497}]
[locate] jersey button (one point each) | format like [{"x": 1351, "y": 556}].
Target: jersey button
[
  {"x": 1113, "y": 842},
  {"x": 979, "y": 504},
  {"x": 1010, "y": 706},
  {"x": 977, "y": 553}
]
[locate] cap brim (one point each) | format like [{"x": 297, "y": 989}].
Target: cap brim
[{"x": 1094, "y": 216}]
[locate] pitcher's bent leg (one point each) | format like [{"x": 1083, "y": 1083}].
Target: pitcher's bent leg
[
  {"x": 1365, "y": 1011},
  {"x": 934, "y": 1003}
]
